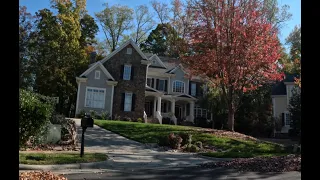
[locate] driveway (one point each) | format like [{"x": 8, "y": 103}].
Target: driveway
[{"x": 126, "y": 153}]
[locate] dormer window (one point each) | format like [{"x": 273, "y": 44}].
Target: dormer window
[
  {"x": 97, "y": 74},
  {"x": 129, "y": 50}
]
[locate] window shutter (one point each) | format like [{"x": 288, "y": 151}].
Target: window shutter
[
  {"x": 122, "y": 101},
  {"x": 152, "y": 83},
  {"x": 166, "y": 86},
  {"x": 197, "y": 89},
  {"x": 165, "y": 107},
  {"x": 190, "y": 87},
  {"x": 157, "y": 84},
  {"x": 121, "y": 71},
  {"x": 282, "y": 118},
  {"x": 133, "y": 102},
  {"x": 132, "y": 73}
]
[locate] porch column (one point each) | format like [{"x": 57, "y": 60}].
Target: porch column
[
  {"x": 154, "y": 106},
  {"x": 173, "y": 117},
  {"x": 185, "y": 110},
  {"x": 191, "y": 117},
  {"x": 173, "y": 104},
  {"x": 159, "y": 104}
]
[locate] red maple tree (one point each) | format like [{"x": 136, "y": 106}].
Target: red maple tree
[{"x": 233, "y": 45}]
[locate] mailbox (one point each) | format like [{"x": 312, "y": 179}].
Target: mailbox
[{"x": 87, "y": 121}]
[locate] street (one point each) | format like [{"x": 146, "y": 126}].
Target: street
[{"x": 191, "y": 173}]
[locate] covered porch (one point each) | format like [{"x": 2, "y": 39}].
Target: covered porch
[{"x": 172, "y": 108}]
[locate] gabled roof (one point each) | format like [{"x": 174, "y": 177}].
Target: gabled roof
[
  {"x": 185, "y": 95},
  {"x": 130, "y": 41},
  {"x": 94, "y": 67},
  {"x": 179, "y": 66},
  {"x": 158, "y": 60}
]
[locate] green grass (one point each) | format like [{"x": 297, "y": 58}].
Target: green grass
[
  {"x": 59, "y": 158},
  {"x": 152, "y": 133}
]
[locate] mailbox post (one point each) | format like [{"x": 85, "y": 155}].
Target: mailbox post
[{"x": 86, "y": 121}]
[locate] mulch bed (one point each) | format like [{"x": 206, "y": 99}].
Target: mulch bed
[
  {"x": 40, "y": 175},
  {"x": 261, "y": 164},
  {"x": 52, "y": 147}
]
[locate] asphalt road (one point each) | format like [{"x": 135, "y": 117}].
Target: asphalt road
[{"x": 190, "y": 173}]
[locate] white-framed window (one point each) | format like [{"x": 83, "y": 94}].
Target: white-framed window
[
  {"x": 127, "y": 101},
  {"x": 193, "y": 89},
  {"x": 97, "y": 74},
  {"x": 95, "y": 97},
  {"x": 149, "y": 81},
  {"x": 178, "y": 86},
  {"x": 127, "y": 72},
  {"x": 199, "y": 112},
  {"x": 287, "y": 118},
  {"x": 129, "y": 50},
  {"x": 161, "y": 85}
]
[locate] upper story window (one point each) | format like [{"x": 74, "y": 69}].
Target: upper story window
[
  {"x": 178, "y": 86},
  {"x": 193, "y": 89},
  {"x": 129, "y": 50},
  {"x": 97, "y": 75},
  {"x": 127, "y": 72},
  {"x": 161, "y": 85}
]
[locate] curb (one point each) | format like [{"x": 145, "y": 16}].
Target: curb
[{"x": 92, "y": 165}]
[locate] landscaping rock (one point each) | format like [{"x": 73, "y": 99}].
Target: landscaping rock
[
  {"x": 261, "y": 164},
  {"x": 40, "y": 175}
]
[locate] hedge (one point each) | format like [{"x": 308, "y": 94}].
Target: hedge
[{"x": 35, "y": 112}]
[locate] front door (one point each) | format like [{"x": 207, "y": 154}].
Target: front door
[
  {"x": 147, "y": 107},
  {"x": 177, "y": 112}
]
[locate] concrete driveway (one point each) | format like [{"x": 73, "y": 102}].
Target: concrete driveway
[{"x": 126, "y": 153}]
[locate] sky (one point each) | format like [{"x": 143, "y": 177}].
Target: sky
[{"x": 94, "y": 6}]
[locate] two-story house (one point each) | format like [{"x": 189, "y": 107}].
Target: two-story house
[
  {"x": 130, "y": 83},
  {"x": 281, "y": 95}
]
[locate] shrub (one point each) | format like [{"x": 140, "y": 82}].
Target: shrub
[
  {"x": 295, "y": 111},
  {"x": 58, "y": 119},
  {"x": 199, "y": 144},
  {"x": 163, "y": 141},
  {"x": 139, "y": 120},
  {"x": 194, "y": 148},
  {"x": 185, "y": 138},
  {"x": 81, "y": 113},
  {"x": 174, "y": 141},
  {"x": 126, "y": 119},
  {"x": 34, "y": 115},
  {"x": 187, "y": 123},
  {"x": 68, "y": 132},
  {"x": 166, "y": 120},
  {"x": 93, "y": 114}
]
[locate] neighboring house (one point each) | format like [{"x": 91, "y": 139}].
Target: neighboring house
[
  {"x": 130, "y": 83},
  {"x": 281, "y": 94}
]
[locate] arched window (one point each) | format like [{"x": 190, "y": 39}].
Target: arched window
[{"x": 178, "y": 86}]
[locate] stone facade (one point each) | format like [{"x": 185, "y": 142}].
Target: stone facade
[{"x": 136, "y": 85}]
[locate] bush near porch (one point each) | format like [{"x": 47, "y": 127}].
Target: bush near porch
[{"x": 229, "y": 144}]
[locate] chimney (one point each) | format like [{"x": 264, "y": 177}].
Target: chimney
[{"x": 93, "y": 56}]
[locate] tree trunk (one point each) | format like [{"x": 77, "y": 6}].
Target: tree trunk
[{"x": 231, "y": 117}]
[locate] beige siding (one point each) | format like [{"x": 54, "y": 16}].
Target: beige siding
[{"x": 280, "y": 105}]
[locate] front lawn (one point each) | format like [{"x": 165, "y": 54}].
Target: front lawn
[
  {"x": 59, "y": 158},
  {"x": 230, "y": 147}
]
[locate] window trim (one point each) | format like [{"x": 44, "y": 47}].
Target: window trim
[
  {"x": 104, "y": 97},
  {"x": 95, "y": 74},
  {"x": 124, "y": 103},
  {"x": 184, "y": 86},
  {"x": 123, "y": 75}
]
